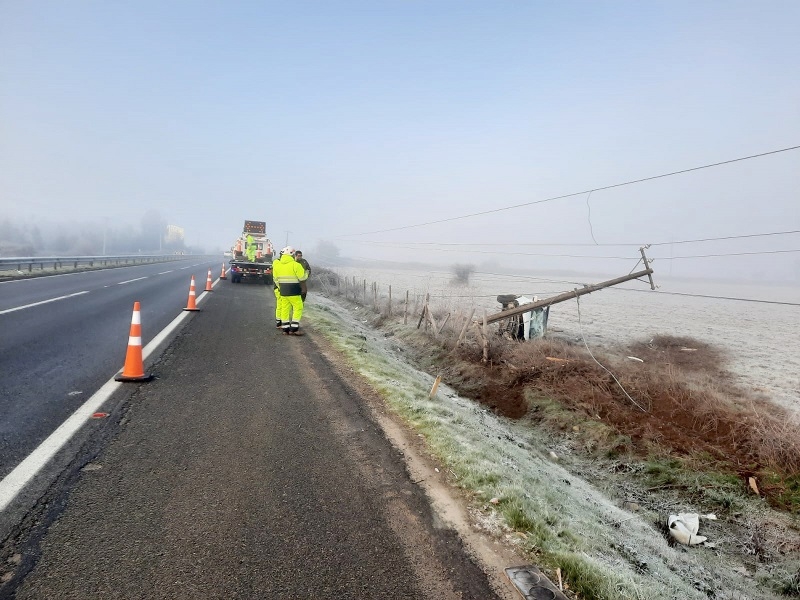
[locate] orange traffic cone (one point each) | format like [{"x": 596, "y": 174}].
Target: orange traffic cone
[
  {"x": 191, "y": 304},
  {"x": 209, "y": 287},
  {"x": 134, "y": 365},
  {"x": 223, "y": 275}
]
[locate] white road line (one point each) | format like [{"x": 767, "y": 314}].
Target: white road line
[
  {"x": 16, "y": 308},
  {"x": 131, "y": 280},
  {"x": 24, "y": 472},
  {"x": 164, "y": 272}
]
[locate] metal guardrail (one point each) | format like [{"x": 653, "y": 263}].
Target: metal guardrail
[{"x": 26, "y": 263}]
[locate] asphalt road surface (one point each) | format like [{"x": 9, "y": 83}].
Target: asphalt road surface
[
  {"x": 249, "y": 468},
  {"x": 62, "y": 337}
]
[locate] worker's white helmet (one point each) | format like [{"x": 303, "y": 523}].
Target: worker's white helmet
[{"x": 288, "y": 250}]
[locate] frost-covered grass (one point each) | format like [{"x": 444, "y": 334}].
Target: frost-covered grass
[{"x": 603, "y": 551}]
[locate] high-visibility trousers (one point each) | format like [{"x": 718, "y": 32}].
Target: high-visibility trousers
[
  {"x": 277, "y": 303},
  {"x": 291, "y": 312}
]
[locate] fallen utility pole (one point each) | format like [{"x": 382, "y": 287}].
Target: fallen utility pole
[{"x": 587, "y": 289}]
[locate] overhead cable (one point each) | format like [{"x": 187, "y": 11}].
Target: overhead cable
[
  {"x": 508, "y": 253},
  {"x": 727, "y": 254},
  {"x": 728, "y": 237},
  {"x": 673, "y": 242},
  {"x": 621, "y": 289},
  {"x": 599, "y": 189}
]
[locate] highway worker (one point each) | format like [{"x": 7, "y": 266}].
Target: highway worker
[
  {"x": 250, "y": 249},
  {"x": 276, "y": 289},
  {"x": 298, "y": 256},
  {"x": 288, "y": 273}
]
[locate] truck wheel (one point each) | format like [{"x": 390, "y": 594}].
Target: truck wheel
[{"x": 268, "y": 279}]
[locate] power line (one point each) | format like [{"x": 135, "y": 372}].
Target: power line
[
  {"x": 708, "y": 296},
  {"x": 473, "y": 244},
  {"x": 482, "y": 252},
  {"x": 559, "y": 244},
  {"x": 599, "y": 189},
  {"x": 728, "y": 237},
  {"x": 541, "y": 255},
  {"x": 728, "y": 254}
]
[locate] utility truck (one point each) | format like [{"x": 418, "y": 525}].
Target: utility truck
[{"x": 252, "y": 254}]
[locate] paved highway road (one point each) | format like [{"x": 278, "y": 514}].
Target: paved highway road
[{"x": 250, "y": 468}]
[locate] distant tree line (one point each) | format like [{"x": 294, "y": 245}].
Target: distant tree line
[{"x": 87, "y": 239}]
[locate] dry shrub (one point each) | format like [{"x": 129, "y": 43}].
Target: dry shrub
[
  {"x": 687, "y": 412},
  {"x": 461, "y": 274},
  {"x": 323, "y": 279},
  {"x": 775, "y": 434},
  {"x": 684, "y": 353}
]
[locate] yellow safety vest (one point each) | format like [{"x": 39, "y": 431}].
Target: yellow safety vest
[{"x": 288, "y": 273}]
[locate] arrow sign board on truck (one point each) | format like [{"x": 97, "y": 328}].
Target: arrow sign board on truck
[{"x": 257, "y": 227}]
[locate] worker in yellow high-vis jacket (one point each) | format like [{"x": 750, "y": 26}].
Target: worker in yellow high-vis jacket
[
  {"x": 288, "y": 274},
  {"x": 250, "y": 249}
]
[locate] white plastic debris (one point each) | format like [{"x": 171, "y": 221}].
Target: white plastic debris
[{"x": 683, "y": 527}]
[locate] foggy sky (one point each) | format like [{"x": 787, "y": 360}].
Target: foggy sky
[{"x": 330, "y": 120}]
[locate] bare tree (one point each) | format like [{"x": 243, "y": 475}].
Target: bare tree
[{"x": 461, "y": 274}]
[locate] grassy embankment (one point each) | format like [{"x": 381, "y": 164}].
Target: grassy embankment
[{"x": 675, "y": 439}]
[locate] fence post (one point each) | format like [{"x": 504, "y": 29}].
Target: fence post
[
  {"x": 389, "y": 308},
  {"x": 441, "y": 327},
  {"x": 434, "y": 326},
  {"x": 485, "y": 338},
  {"x": 464, "y": 329},
  {"x": 405, "y": 310}
]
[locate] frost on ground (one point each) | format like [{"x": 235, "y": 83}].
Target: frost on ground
[{"x": 519, "y": 482}]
